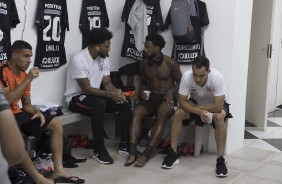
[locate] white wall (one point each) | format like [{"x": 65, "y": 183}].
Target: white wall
[{"x": 226, "y": 45}]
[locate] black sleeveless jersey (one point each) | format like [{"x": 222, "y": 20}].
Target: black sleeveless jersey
[
  {"x": 52, "y": 22},
  {"x": 8, "y": 19},
  {"x": 93, "y": 15},
  {"x": 155, "y": 23}
]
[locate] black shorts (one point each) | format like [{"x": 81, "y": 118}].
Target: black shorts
[
  {"x": 32, "y": 126},
  {"x": 199, "y": 122},
  {"x": 153, "y": 103}
]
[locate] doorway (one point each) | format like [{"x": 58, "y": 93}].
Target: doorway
[{"x": 259, "y": 63}]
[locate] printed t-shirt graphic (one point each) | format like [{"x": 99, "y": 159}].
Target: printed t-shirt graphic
[
  {"x": 52, "y": 22},
  {"x": 155, "y": 23},
  {"x": 93, "y": 15},
  {"x": 8, "y": 19}
]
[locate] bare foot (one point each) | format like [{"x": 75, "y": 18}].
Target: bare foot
[
  {"x": 130, "y": 160},
  {"x": 141, "y": 161},
  {"x": 61, "y": 173}
]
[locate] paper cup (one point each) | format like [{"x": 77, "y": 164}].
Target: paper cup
[
  {"x": 210, "y": 115},
  {"x": 148, "y": 94}
]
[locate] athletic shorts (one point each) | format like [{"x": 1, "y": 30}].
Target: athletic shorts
[
  {"x": 31, "y": 127},
  {"x": 153, "y": 103},
  {"x": 199, "y": 122}
]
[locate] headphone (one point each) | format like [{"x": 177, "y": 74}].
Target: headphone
[{"x": 157, "y": 60}]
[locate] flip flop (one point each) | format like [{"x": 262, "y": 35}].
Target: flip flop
[
  {"x": 72, "y": 179},
  {"x": 70, "y": 159},
  {"x": 69, "y": 165}
]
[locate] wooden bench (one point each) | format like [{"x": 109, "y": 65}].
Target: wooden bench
[{"x": 69, "y": 117}]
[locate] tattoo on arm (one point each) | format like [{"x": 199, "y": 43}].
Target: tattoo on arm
[{"x": 26, "y": 100}]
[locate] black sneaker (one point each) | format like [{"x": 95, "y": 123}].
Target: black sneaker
[
  {"x": 123, "y": 148},
  {"x": 170, "y": 160},
  {"x": 102, "y": 156},
  {"x": 221, "y": 169}
]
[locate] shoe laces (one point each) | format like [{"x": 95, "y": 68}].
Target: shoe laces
[
  {"x": 171, "y": 155},
  {"x": 103, "y": 151}
]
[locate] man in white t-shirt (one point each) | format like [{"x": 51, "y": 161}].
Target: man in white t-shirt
[
  {"x": 201, "y": 98},
  {"x": 87, "y": 71}
]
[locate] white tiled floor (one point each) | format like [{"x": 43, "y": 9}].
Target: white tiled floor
[
  {"x": 248, "y": 165},
  {"x": 257, "y": 162}
]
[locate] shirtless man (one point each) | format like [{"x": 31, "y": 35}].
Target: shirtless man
[{"x": 161, "y": 76}]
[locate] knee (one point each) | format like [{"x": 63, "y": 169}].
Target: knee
[
  {"x": 136, "y": 116},
  {"x": 56, "y": 125},
  {"x": 178, "y": 115},
  {"x": 218, "y": 120}
]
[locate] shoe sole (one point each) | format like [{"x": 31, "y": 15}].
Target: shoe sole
[
  {"x": 121, "y": 152},
  {"x": 170, "y": 167},
  {"x": 100, "y": 161},
  {"x": 221, "y": 175}
]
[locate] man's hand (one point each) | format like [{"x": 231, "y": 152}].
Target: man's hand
[
  {"x": 203, "y": 115},
  {"x": 33, "y": 73},
  {"x": 169, "y": 99},
  {"x": 39, "y": 115},
  {"x": 118, "y": 97}
]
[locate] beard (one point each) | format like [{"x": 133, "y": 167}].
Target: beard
[{"x": 102, "y": 55}]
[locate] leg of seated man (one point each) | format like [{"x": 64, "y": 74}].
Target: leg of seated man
[
  {"x": 138, "y": 115},
  {"x": 32, "y": 127},
  {"x": 124, "y": 115},
  {"x": 56, "y": 145},
  {"x": 176, "y": 126},
  {"x": 163, "y": 113},
  {"x": 220, "y": 132},
  {"x": 220, "y": 138},
  {"x": 95, "y": 107}
]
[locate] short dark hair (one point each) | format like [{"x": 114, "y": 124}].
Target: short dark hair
[
  {"x": 156, "y": 39},
  {"x": 200, "y": 62},
  {"x": 20, "y": 45},
  {"x": 99, "y": 35}
]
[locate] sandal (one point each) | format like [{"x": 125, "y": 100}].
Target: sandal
[{"x": 72, "y": 179}]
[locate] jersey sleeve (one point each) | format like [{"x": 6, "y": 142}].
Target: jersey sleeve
[
  {"x": 184, "y": 88},
  {"x": 77, "y": 69},
  {"x": 167, "y": 21},
  {"x": 159, "y": 18},
  {"x": 204, "y": 18},
  {"x": 39, "y": 21},
  {"x": 83, "y": 20},
  {"x": 105, "y": 14},
  {"x": 65, "y": 16},
  {"x": 219, "y": 88},
  {"x": 107, "y": 67},
  {"x": 14, "y": 15}
]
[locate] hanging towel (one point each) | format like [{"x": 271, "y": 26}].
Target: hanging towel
[{"x": 137, "y": 20}]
